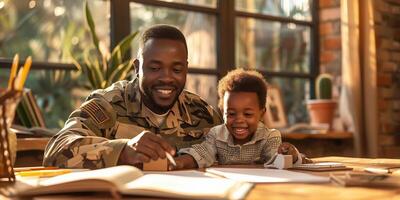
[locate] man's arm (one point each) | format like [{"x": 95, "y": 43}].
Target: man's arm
[{"x": 85, "y": 141}]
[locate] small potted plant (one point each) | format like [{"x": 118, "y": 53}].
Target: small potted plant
[{"x": 322, "y": 109}]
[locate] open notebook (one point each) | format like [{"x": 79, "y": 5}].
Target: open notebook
[{"x": 129, "y": 180}]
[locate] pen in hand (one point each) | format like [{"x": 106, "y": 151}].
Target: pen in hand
[
  {"x": 168, "y": 155},
  {"x": 170, "y": 158}
]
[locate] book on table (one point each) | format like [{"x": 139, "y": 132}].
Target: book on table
[
  {"x": 322, "y": 166},
  {"x": 128, "y": 180},
  {"x": 362, "y": 179},
  {"x": 28, "y": 111}
]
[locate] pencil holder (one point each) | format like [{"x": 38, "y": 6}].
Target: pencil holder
[{"x": 9, "y": 100}]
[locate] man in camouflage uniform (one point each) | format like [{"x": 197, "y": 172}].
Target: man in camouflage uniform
[{"x": 133, "y": 122}]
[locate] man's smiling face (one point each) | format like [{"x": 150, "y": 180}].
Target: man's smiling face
[{"x": 162, "y": 73}]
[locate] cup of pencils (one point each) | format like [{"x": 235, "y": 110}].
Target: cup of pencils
[{"x": 9, "y": 99}]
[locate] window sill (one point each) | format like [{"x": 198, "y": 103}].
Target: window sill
[{"x": 330, "y": 135}]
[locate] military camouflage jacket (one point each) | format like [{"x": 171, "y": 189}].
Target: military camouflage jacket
[{"x": 95, "y": 134}]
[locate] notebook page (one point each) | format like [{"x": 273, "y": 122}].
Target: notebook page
[
  {"x": 254, "y": 175},
  {"x": 172, "y": 186},
  {"x": 119, "y": 175}
]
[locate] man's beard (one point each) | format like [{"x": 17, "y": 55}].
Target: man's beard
[{"x": 150, "y": 102}]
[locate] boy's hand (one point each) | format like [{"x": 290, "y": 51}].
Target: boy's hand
[
  {"x": 288, "y": 149},
  {"x": 183, "y": 162},
  {"x": 179, "y": 164}
]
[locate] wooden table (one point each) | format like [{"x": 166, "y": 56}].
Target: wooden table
[
  {"x": 329, "y": 191},
  {"x": 289, "y": 191}
]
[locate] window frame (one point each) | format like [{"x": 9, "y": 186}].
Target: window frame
[{"x": 225, "y": 15}]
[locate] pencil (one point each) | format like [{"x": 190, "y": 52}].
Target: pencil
[
  {"x": 13, "y": 72},
  {"x": 24, "y": 75},
  {"x": 44, "y": 173},
  {"x": 21, "y": 169},
  {"x": 170, "y": 158}
]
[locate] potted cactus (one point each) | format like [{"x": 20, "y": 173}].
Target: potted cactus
[{"x": 322, "y": 109}]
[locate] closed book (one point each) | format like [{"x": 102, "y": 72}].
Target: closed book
[{"x": 360, "y": 179}]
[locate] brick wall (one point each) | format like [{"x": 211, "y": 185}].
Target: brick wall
[
  {"x": 330, "y": 41},
  {"x": 387, "y": 30},
  {"x": 387, "y": 37},
  {"x": 330, "y": 62}
]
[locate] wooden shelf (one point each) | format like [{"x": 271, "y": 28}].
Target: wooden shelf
[
  {"x": 27, "y": 144},
  {"x": 328, "y": 135}
]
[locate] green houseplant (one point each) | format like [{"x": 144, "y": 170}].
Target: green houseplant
[
  {"x": 100, "y": 67},
  {"x": 322, "y": 109}
]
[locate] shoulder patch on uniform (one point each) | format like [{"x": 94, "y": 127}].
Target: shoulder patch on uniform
[{"x": 95, "y": 111}]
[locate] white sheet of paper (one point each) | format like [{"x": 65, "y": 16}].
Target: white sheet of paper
[
  {"x": 253, "y": 175},
  {"x": 187, "y": 173}
]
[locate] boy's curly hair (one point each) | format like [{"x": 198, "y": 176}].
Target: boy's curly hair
[{"x": 241, "y": 80}]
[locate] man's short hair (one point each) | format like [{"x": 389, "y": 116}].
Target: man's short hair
[
  {"x": 162, "y": 31},
  {"x": 240, "y": 80}
]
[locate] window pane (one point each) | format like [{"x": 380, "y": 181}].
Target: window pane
[
  {"x": 199, "y": 30},
  {"x": 207, "y": 3},
  {"x": 294, "y": 92},
  {"x": 272, "y": 46},
  {"x": 205, "y": 86},
  {"x": 57, "y": 93},
  {"x": 49, "y": 29},
  {"x": 296, "y": 9}
]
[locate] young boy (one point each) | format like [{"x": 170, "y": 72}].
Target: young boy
[{"x": 243, "y": 138}]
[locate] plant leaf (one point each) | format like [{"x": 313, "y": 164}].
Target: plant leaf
[
  {"x": 121, "y": 71},
  {"x": 92, "y": 28},
  {"x": 98, "y": 75},
  {"x": 89, "y": 70},
  {"x": 119, "y": 52}
]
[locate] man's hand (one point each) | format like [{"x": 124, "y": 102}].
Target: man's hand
[{"x": 144, "y": 147}]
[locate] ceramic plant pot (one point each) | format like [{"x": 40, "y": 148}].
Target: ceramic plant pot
[{"x": 322, "y": 111}]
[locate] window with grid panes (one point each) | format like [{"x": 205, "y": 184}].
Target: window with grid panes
[{"x": 276, "y": 37}]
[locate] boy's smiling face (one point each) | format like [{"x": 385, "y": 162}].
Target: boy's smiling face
[{"x": 241, "y": 115}]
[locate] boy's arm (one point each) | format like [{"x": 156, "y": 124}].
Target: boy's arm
[
  {"x": 272, "y": 142},
  {"x": 84, "y": 140},
  {"x": 288, "y": 149},
  {"x": 203, "y": 154},
  {"x": 184, "y": 161}
]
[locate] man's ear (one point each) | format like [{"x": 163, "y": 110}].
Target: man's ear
[{"x": 136, "y": 63}]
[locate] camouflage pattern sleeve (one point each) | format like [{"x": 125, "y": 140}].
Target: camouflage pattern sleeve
[
  {"x": 86, "y": 141},
  {"x": 217, "y": 119},
  {"x": 202, "y": 112}
]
